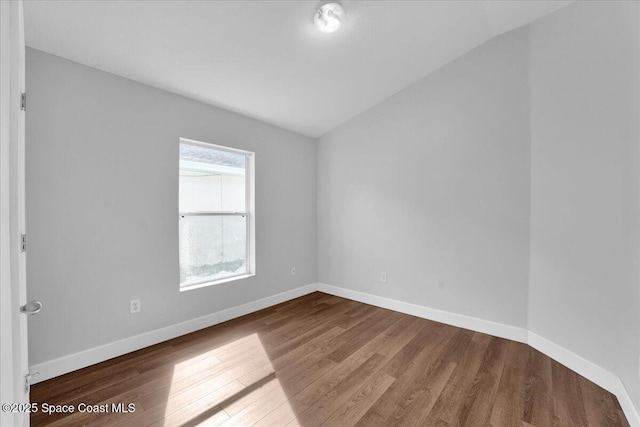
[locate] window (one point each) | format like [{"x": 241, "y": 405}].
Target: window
[{"x": 216, "y": 221}]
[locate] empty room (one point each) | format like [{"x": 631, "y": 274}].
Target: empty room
[{"x": 335, "y": 213}]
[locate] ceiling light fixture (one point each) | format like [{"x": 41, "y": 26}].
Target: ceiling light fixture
[{"x": 328, "y": 17}]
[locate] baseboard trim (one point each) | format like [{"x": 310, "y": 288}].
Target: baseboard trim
[
  {"x": 575, "y": 362},
  {"x": 571, "y": 360},
  {"x": 82, "y": 359},
  {"x": 627, "y": 405},
  {"x": 460, "y": 320}
]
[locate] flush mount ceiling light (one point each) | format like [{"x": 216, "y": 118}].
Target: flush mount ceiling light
[{"x": 328, "y": 17}]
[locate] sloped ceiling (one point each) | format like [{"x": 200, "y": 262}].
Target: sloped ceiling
[{"x": 265, "y": 59}]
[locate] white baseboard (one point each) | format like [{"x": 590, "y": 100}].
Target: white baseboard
[
  {"x": 82, "y": 359},
  {"x": 594, "y": 373},
  {"x": 460, "y": 320},
  {"x": 573, "y": 361},
  {"x": 627, "y": 405}
]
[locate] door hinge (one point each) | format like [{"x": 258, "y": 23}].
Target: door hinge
[
  {"x": 27, "y": 380},
  {"x": 23, "y": 101},
  {"x": 23, "y": 243}
]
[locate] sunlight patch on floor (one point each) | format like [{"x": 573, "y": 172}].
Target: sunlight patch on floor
[{"x": 233, "y": 384}]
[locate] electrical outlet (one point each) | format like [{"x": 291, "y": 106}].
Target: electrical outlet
[
  {"x": 383, "y": 277},
  {"x": 135, "y": 306},
  {"x": 293, "y": 271}
]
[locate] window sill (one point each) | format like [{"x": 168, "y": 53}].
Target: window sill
[{"x": 189, "y": 287}]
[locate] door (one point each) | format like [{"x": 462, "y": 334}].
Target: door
[{"x": 15, "y": 309}]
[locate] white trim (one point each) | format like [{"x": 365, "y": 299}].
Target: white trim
[
  {"x": 10, "y": 369},
  {"x": 629, "y": 409},
  {"x": 205, "y": 283},
  {"x": 16, "y": 170},
  {"x": 460, "y": 320},
  {"x": 75, "y": 361},
  {"x": 595, "y": 373},
  {"x": 575, "y": 362},
  {"x": 571, "y": 360}
]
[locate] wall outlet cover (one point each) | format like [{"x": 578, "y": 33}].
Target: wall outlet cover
[{"x": 135, "y": 306}]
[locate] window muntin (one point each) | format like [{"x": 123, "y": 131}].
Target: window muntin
[{"x": 215, "y": 222}]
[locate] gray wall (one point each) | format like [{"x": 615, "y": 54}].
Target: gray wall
[
  {"x": 507, "y": 181},
  {"x": 585, "y": 119},
  {"x": 102, "y": 203},
  {"x": 432, "y": 187}
]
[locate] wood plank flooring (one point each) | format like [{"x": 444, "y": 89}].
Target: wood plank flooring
[{"x": 320, "y": 360}]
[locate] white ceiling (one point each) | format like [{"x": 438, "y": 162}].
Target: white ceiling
[{"x": 265, "y": 59}]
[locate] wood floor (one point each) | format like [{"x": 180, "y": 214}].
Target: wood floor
[{"x": 323, "y": 360}]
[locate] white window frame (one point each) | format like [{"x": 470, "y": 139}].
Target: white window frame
[{"x": 249, "y": 213}]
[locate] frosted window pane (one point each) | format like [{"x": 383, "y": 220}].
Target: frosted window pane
[
  {"x": 211, "y": 156},
  {"x": 212, "y": 247}
]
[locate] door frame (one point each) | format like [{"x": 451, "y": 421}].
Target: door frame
[{"x": 13, "y": 339}]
